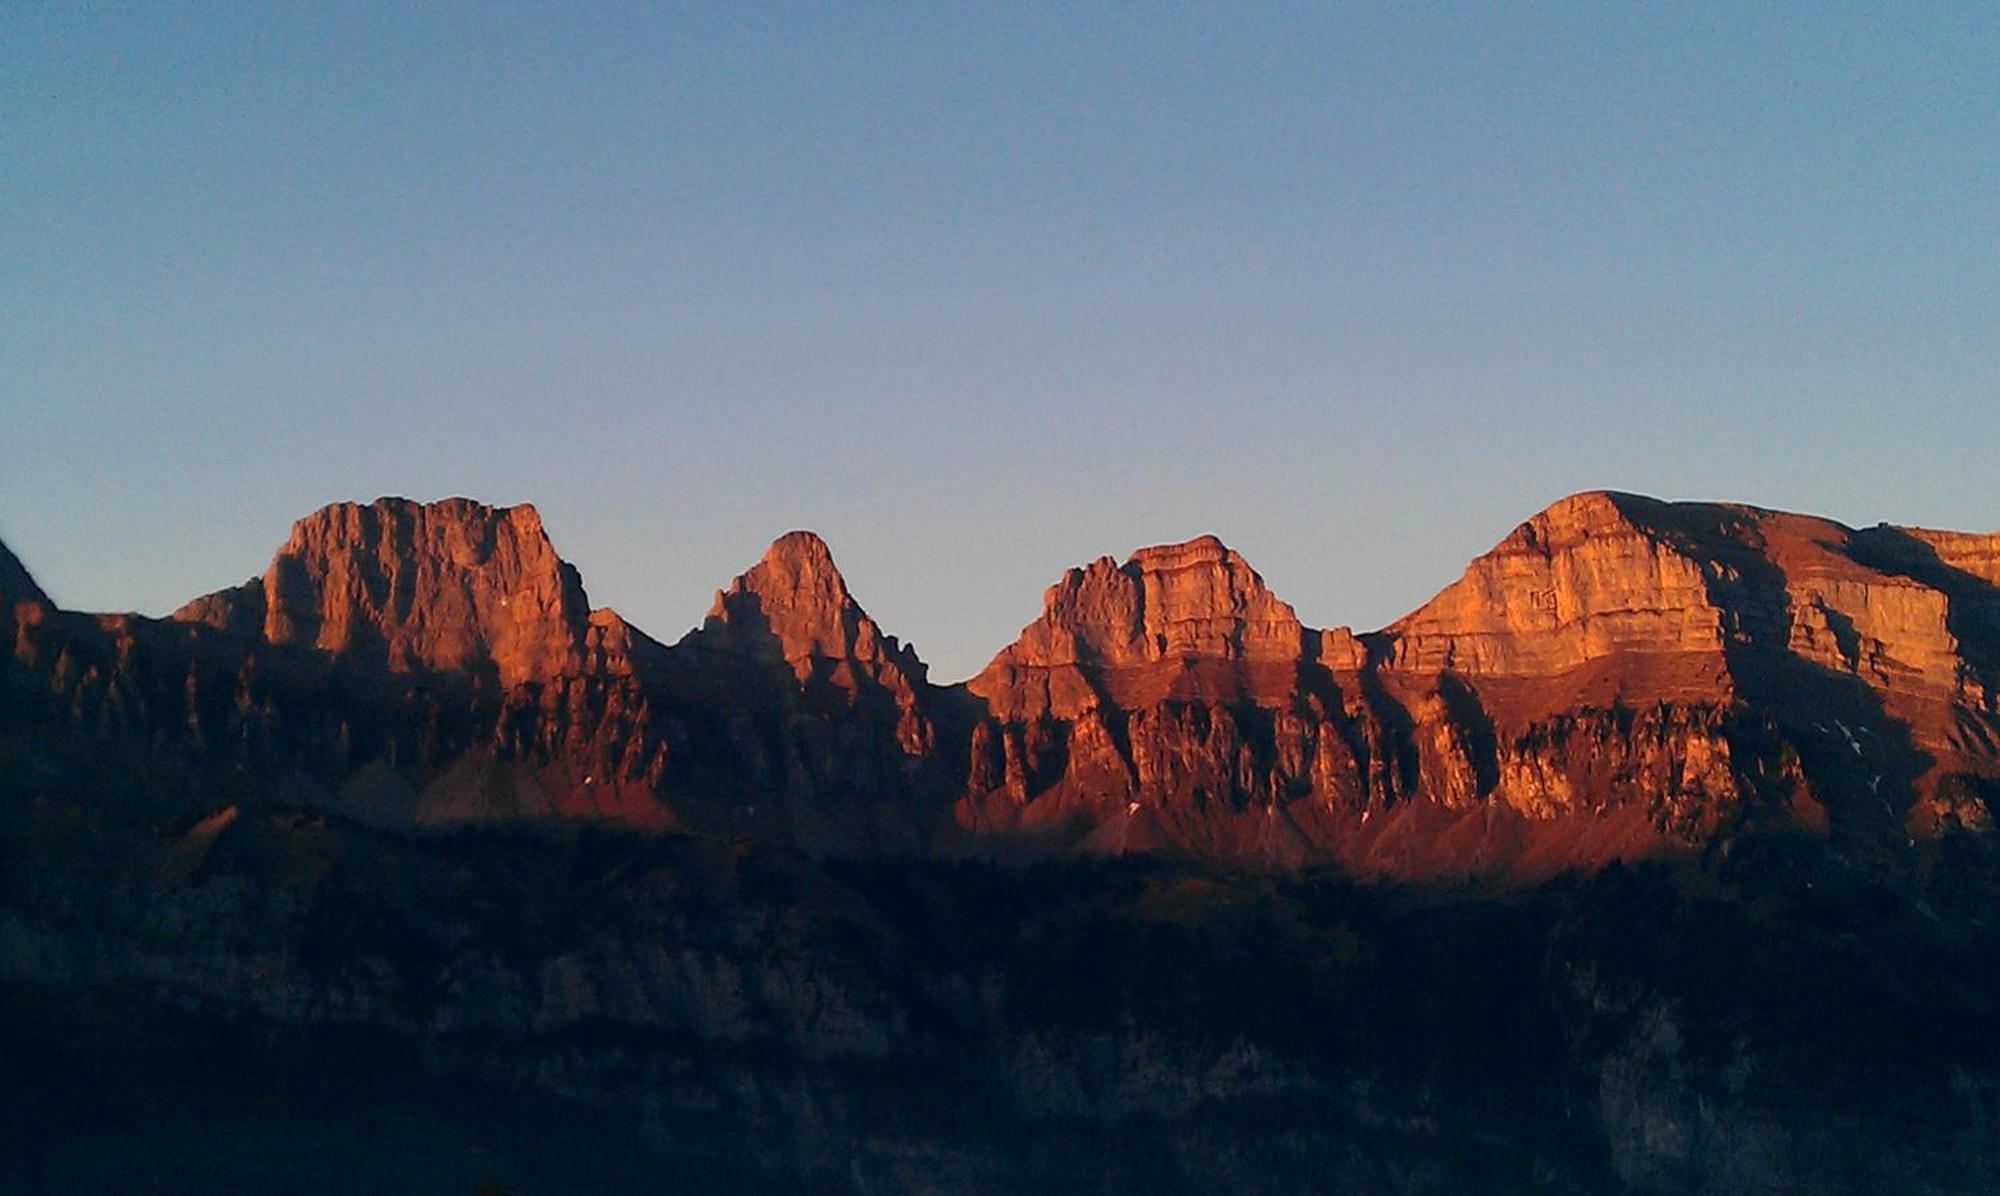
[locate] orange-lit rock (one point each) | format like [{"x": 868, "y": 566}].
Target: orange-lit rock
[
  {"x": 794, "y": 607},
  {"x": 1675, "y": 666},
  {"x": 1618, "y": 677},
  {"x": 1188, "y": 620},
  {"x": 452, "y": 586},
  {"x": 1585, "y": 579}
]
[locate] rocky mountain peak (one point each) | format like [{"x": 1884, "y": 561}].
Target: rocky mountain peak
[
  {"x": 793, "y": 605},
  {"x": 1589, "y": 576},
  {"x": 1201, "y": 598},
  {"x": 801, "y": 549},
  {"x": 1198, "y": 598},
  {"x": 447, "y": 586},
  {"x": 1578, "y": 516},
  {"x": 1173, "y": 619},
  {"x": 798, "y": 585}
]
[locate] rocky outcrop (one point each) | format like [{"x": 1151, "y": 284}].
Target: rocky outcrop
[
  {"x": 446, "y": 587},
  {"x": 806, "y": 720},
  {"x": 793, "y": 608},
  {"x": 1868, "y": 654},
  {"x": 1174, "y": 703},
  {"x": 1614, "y": 576},
  {"x": 1153, "y": 705},
  {"x": 1188, "y": 620},
  {"x": 414, "y": 665},
  {"x": 1589, "y": 578}
]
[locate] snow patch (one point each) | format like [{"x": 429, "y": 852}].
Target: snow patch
[{"x": 1851, "y": 740}]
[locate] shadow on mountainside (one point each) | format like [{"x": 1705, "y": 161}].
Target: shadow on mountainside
[
  {"x": 1861, "y": 762},
  {"x": 634, "y": 1011},
  {"x": 1972, "y": 604}
]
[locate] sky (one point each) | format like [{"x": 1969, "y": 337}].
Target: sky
[{"x": 980, "y": 292}]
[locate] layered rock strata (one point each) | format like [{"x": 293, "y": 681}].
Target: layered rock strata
[
  {"x": 1618, "y": 677},
  {"x": 450, "y": 587}
]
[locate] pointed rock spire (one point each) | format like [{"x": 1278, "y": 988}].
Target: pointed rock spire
[
  {"x": 793, "y": 605},
  {"x": 795, "y": 601}
]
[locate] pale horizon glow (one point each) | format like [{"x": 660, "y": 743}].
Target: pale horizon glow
[{"x": 982, "y": 295}]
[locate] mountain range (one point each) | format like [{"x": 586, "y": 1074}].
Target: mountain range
[
  {"x": 1653, "y": 853},
  {"x": 1620, "y": 677}
]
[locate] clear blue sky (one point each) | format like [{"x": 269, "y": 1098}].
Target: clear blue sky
[{"x": 979, "y": 292}]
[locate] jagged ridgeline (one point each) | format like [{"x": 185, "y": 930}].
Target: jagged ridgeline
[
  {"x": 1619, "y": 678},
  {"x": 1650, "y": 855}
]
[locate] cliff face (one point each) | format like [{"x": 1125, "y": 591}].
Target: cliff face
[
  {"x": 1154, "y": 704},
  {"x": 1582, "y": 581},
  {"x": 793, "y": 607},
  {"x": 1868, "y": 653},
  {"x": 801, "y": 720},
  {"x": 1186, "y": 620},
  {"x": 1610, "y": 576},
  {"x": 451, "y": 586},
  {"x": 1618, "y": 677}
]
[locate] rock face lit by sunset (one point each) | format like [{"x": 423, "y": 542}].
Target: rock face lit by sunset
[{"x": 1187, "y": 743}]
